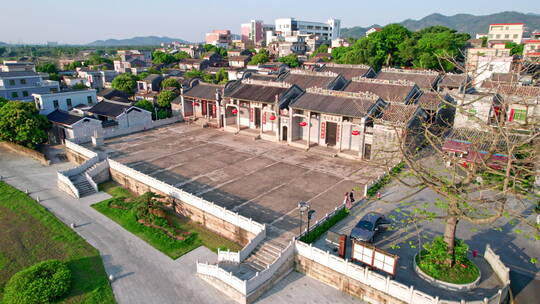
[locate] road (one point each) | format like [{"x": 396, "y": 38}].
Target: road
[{"x": 142, "y": 273}]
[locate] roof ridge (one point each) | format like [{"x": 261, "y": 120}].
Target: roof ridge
[
  {"x": 276, "y": 84},
  {"x": 407, "y": 71},
  {"x": 402, "y": 82},
  {"x": 314, "y": 73},
  {"x": 361, "y": 95},
  {"x": 344, "y": 65}
]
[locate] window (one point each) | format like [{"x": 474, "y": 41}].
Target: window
[
  {"x": 11, "y": 82},
  {"x": 520, "y": 115},
  {"x": 90, "y": 101},
  {"x": 515, "y": 35},
  {"x": 14, "y": 95},
  {"x": 506, "y": 36},
  {"x": 490, "y": 35},
  {"x": 25, "y": 93},
  {"x": 23, "y": 81},
  {"x": 68, "y": 102},
  {"x": 497, "y": 36},
  {"x": 55, "y": 104}
]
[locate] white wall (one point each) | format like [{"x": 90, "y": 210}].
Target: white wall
[{"x": 46, "y": 104}]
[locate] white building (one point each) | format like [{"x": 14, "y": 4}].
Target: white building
[
  {"x": 483, "y": 62},
  {"x": 65, "y": 101},
  {"x": 506, "y": 31},
  {"x": 328, "y": 30}
]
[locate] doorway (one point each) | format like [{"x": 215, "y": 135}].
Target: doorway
[
  {"x": 367, "y": 151},
  {"x": 284, "y": 133},
  {"x": 331, "y": 133},
  {"x": 257, "y": 118}
]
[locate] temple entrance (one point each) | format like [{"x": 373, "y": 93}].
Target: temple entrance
[
  {"x": 257, "y": 118},
  {"x": 331, "y": 133}
]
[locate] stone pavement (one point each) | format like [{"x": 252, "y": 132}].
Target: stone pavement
[{"x": 143, "y": 274}]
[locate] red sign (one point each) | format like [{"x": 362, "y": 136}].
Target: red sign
[
  {"x": 323, "y": 130},
  {"x": 264, "y": 119},
  {"x": 251, "y": 114}
]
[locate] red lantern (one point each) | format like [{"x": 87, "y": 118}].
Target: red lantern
[
  {"x": 273, "y": 117},
  {"x": 234, "y": 111},
  {"x": 355, "y": 132},
  {"x": 302, "y": 124}
]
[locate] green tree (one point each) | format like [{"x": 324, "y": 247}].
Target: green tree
[
  {"x": 3, "y": 101},
  {"x": 74, "y": 65},
  {"x": 221, "y": 76},
  {"x": 323, "y": 48},
  {"x": 261, "y": 57},
  {"x": 159, "y": 57},
  {"x": 290, "y": 60},
  {"x": 142, "y": 75},
  {"x": 194, "y": 74},
  {"x": 79, "y": 86},
  {"x": 125, "y": 82},
  {"x": 181, "y": 55},
  {"x": 515, "y": 49},
  {"x": 170, "y": 82},
  {"x": 47, "y": 67},
  {"x": 165, "y": 98},
  {"x": 21, "y": 123}
]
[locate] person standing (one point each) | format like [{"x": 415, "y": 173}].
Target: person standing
[
  {"x": 347, "y": 200},
  {"x": 351, "y": 196}
]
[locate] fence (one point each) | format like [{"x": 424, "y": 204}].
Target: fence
[
  {"x": 119, "y": 131},
  {"x": 382, "y": 283},
  {"x": 188, "y": 198},
  {"x": 234, "y": 256},
  {"x": 80, "y": 149},
  {"x": 265, "y": 275},
  {"x": 321, "y": 220},
  {"x": 66, "y": 182},
  {"x": 223, "y": 275}
]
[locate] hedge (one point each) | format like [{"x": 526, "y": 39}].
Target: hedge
[
  {"x": 385, "y": 180},
  {"x": 40, "y": 283},
  {"x": 314, "y": 234}
]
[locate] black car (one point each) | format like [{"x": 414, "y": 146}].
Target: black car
[{"x": 368, "y": 226}]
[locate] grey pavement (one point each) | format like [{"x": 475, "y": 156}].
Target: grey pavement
[
  {"x": 142, "y": 273},
  {"x": 514, "y": 248}
]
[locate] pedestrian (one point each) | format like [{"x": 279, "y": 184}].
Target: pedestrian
[
  {"x": 347, "y": 200},
  {"x": 378, "y": 195},
  {"x": 351, "y": 195}
]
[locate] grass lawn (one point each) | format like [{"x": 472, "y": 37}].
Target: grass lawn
[
  {"x": 174, "y": 248},
  {"x": 30, "y": 234}
]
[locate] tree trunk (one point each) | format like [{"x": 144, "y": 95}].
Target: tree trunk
[{"x": 450, "y": 237}]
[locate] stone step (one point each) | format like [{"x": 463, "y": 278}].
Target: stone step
[
  {"x": 264, "y": 257},
  {"x": 266, "y": 251},
  {"x": 255, "y": 263}
]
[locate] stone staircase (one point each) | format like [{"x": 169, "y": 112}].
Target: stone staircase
[{"x": 84, "y": 187}]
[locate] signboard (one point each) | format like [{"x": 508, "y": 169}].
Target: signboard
[
  {"x": 374, "y": 257},
  {"x": 323, "y": 130}
]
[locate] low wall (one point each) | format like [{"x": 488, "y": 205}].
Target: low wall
[
  {"x": 26, "y": 152},
  {"x": 498, "y": 266},
  {"x": 117, "y": 131},
  {"x": 218, "y": 219}
]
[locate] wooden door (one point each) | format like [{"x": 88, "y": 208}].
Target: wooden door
[{"x": 331, "y": 133}]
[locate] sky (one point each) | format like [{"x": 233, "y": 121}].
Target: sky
[{"x": 83, "y": 21}]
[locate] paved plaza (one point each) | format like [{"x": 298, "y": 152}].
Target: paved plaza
[{"x": 258, "y": 179}]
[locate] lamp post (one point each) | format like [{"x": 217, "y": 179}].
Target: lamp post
[{"x": 302, "y": 207}]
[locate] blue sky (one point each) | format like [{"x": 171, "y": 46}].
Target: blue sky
[{"x": 82, "y": 21}]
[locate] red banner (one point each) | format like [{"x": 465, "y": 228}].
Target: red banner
[
  {"x": 251, "y": 114},
  {"x": 323, "y": 130},
  {"x": 264, "y": 118}
]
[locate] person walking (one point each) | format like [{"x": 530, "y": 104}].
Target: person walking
[
  {"x": 351, "y": 196},
  {"x": 347, "y": 200}
]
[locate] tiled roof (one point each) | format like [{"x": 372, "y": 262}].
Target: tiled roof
[
  {"x": 397, "y": 113},
  {"x": 110, "y": 109},
  {"x": 238, "y": 58},
  {"x": 262, "y": 91},
  {"x": 267, "y": 77},
  {"x": 63, "y": 118},
  {"x": 110, "y": 93},
  {"x": 349, "y": 71},
  {"x": 424, "y": 79},
  {"x": 335, "y": 102},
  {"x": 453, "y": 80},
  {"x": 309, "y": 79},
  {"x": 508, "y": 89},
  {"x": 152, "y": 77},
  {"x": 387, "y": 90},
  {"x": 430, "y": 100},
  {"x": 482, "y": 141},
  {"x": 203, "y": 91},
  {"x": 18, "y": 74},
  {"x": 505, "y": 77}
]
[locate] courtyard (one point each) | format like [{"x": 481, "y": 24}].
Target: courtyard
[{"x": 258, "y": 179}]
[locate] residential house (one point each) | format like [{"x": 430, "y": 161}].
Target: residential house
[
  {"x": 219, "y": 38},
  {"x": 481, "y": 63},
  {"x": 120, "y": 115},
  {"x": 239, "y": 52},
  {"x": 66, "y": 100},
  {"x": 77, "y": 128},
  {"x": 312, "y": 79},
  {"x": 239, "y": 61},
  {"x": 440, "y": 109},
  {"x": 15, "y": 66},
  {"x": 259, "y": 106},
  {"x": 425, "y": 79},
  {"x": 20, "y": 85},
  {"x": 506, "y": 31},
  {"x": 113, "y": 94},
  {"x": 402, "y": 91},
  {"x": 97, "y": 79},
  {"x": 373, "y": 30},
  {"x": 200, "y": 100},
  {"x": 133, "y": 65},
  {"x": 150, "y": 83},
  {"x": 193, "y": 64},
  {"x": 531, "y": 50},
  {"x": 454, "y": 82},
  {"x": 349, "y": 71}
]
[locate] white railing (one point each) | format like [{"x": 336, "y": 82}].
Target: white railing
[
  {"x": 66, "y": 181},
  {"x": 498, "y": 266},
  {"x": 265, "y": 275},
  {"x": 98, "y": 168},
  {"x": 322, "y": 220},
  {"x": 223, "y": 275},
  {"x": 382, "y": 283},
  {"x": 82, "y": 167},
  {"x": 91, "y": 181},
  {"x": 80, "y": 149},
  {"x": 239, "y": 256},
  {"x": 188, "y": 198}
]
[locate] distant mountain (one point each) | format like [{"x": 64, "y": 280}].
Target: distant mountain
[
  {"x": 461, "y": 22},
  {"x": 148, "y": 40},
  {"x": 3, "y": 43}
]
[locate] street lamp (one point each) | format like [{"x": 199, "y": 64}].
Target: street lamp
[{"x": 302, "y": 207}]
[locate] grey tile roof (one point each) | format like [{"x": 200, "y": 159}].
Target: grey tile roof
[
  {"x": 430, "y": 100},
  {"x": 309, "y": 81},
  {"x": 63, "y": 118},
  {"x": 397, "y": 113},
  {"x": 203, "y": 91},
  {"x": 387, "y": 91},
  {"x": 348, "y": 71},
  {"x": 257, "y": 92},
  {"x": 424, "y": 79},
  {"x": 331, "y": 104},
  {"x": 109, "y": 109}
]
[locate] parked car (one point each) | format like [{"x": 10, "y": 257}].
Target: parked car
[{"x": 366, "y": 229}]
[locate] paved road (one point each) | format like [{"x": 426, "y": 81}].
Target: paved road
[{"x": 143, "y": 274}]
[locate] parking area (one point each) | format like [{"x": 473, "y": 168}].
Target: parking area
[{"x": 259, "y": 179}]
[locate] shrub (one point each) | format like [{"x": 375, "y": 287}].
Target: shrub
[
  {"x": 40, "y": 283},
  {"x": 314, "y": 234},
  {"x": 385, "y": 180}
]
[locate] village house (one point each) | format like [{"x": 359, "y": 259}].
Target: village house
[
  {"x": 440, "y": 109},
  {"x": 312, "y": 79},
  {"x": 120, "y": 115},
  {"x": 150, "y": 83},
  {"x": 113, "y": 94},
  {"x": 257, "y": 107},
  {"x": 66, "y": 125},
  {"x": 132, "y": 65},
  {"x": 200, "y": 100},
  {"x": 481, "y": 63},
  {"x": 239, "y": 61},
  {"x": 349, "y": 71},
  {"x": 425, "y": 79},
  {"x": 239, "y": 52},
  {"x": 454, "y": 82},
  {"x": 531, "y": 50},
  {"x": 65, "y": 100},
  {"x": 193, "y": 64},
  {"x": 389, "y": 90}
]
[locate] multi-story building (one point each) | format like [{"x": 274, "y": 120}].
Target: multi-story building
[
  {"x": 531, "y": 50},
  {"x": 325, "y": 30},
  {"x": 96, "y": 79},
  {"x": 65, "y": 101},
  {"x": 14, "y": 66},
  {"x": 506, "y": 31},
  {"x": 252, "y": 32},
  {"x": 20, "y": 81},
  {"x": 220, "y": 38},
  {"x": 483, "y": 62}
]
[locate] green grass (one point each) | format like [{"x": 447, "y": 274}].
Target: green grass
[
  {"x": 30, "y": 234},
  {"x": 200, "y": 236},
  {"x": 456, "y": 274},
  {"x": 316, "y": 233}
]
